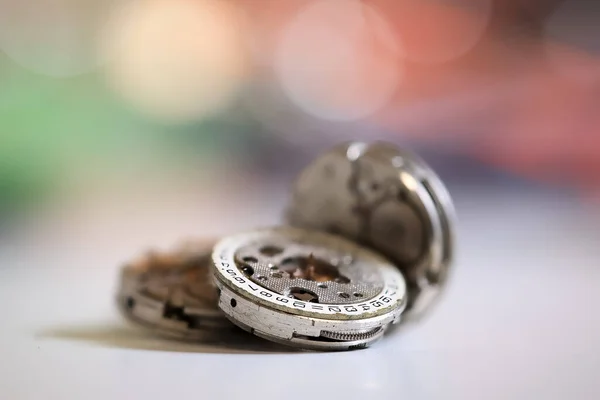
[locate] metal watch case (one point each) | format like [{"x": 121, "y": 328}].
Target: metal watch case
[
  {"x": 385, "y": 198},
  {"x": 307, "y": 289},
  {"x": 171, "y": 292}
]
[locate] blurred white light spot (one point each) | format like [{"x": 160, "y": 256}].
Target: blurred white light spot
[
  {"x": 398, "y": 162},
  {"x": 355, "y": 150},
  {"x": 53, "y": 37},
  {"x": 409, "y": 181},
  {"x": 437, "y": 31},
  {"x": 177, "y": 60},
  {"x": 338, "y": 60},
  {"x": 572, "y": 41}
]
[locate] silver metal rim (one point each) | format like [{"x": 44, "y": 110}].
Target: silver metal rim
[
  {"x": 297, "y": 323},
  {"x": 298, "y": 331}
]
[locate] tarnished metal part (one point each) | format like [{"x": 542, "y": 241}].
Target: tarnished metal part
[
  {"x": 387, "y": 199},
  {"x": 283, "y": 265},
  {"x": 343, "y": 301},
  {"x": 351, "y": 336},
  {"x": 171, "y": 292}
]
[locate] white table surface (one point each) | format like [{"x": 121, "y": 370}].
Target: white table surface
[{"x": 519, "y": 321}]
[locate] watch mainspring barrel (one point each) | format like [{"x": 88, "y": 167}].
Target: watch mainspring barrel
[
  {"x": 307, "y": 289},
  {"x": 385, "y": 198},
  {"x": 171, "y": 292}
]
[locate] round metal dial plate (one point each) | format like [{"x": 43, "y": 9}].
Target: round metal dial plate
[
  {"x": 387, "y": 199},
  {"x": 171, "y": 292},
  {"x": 307, "y": 288},
  {"x": 325, "y": 274}
]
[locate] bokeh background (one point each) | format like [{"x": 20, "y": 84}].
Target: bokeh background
[
  {"x": 128, "y": 124},
  {"x": 138, "y": 121}
]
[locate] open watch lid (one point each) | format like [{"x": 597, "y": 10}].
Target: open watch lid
[{"x": 385, "y": 198}]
